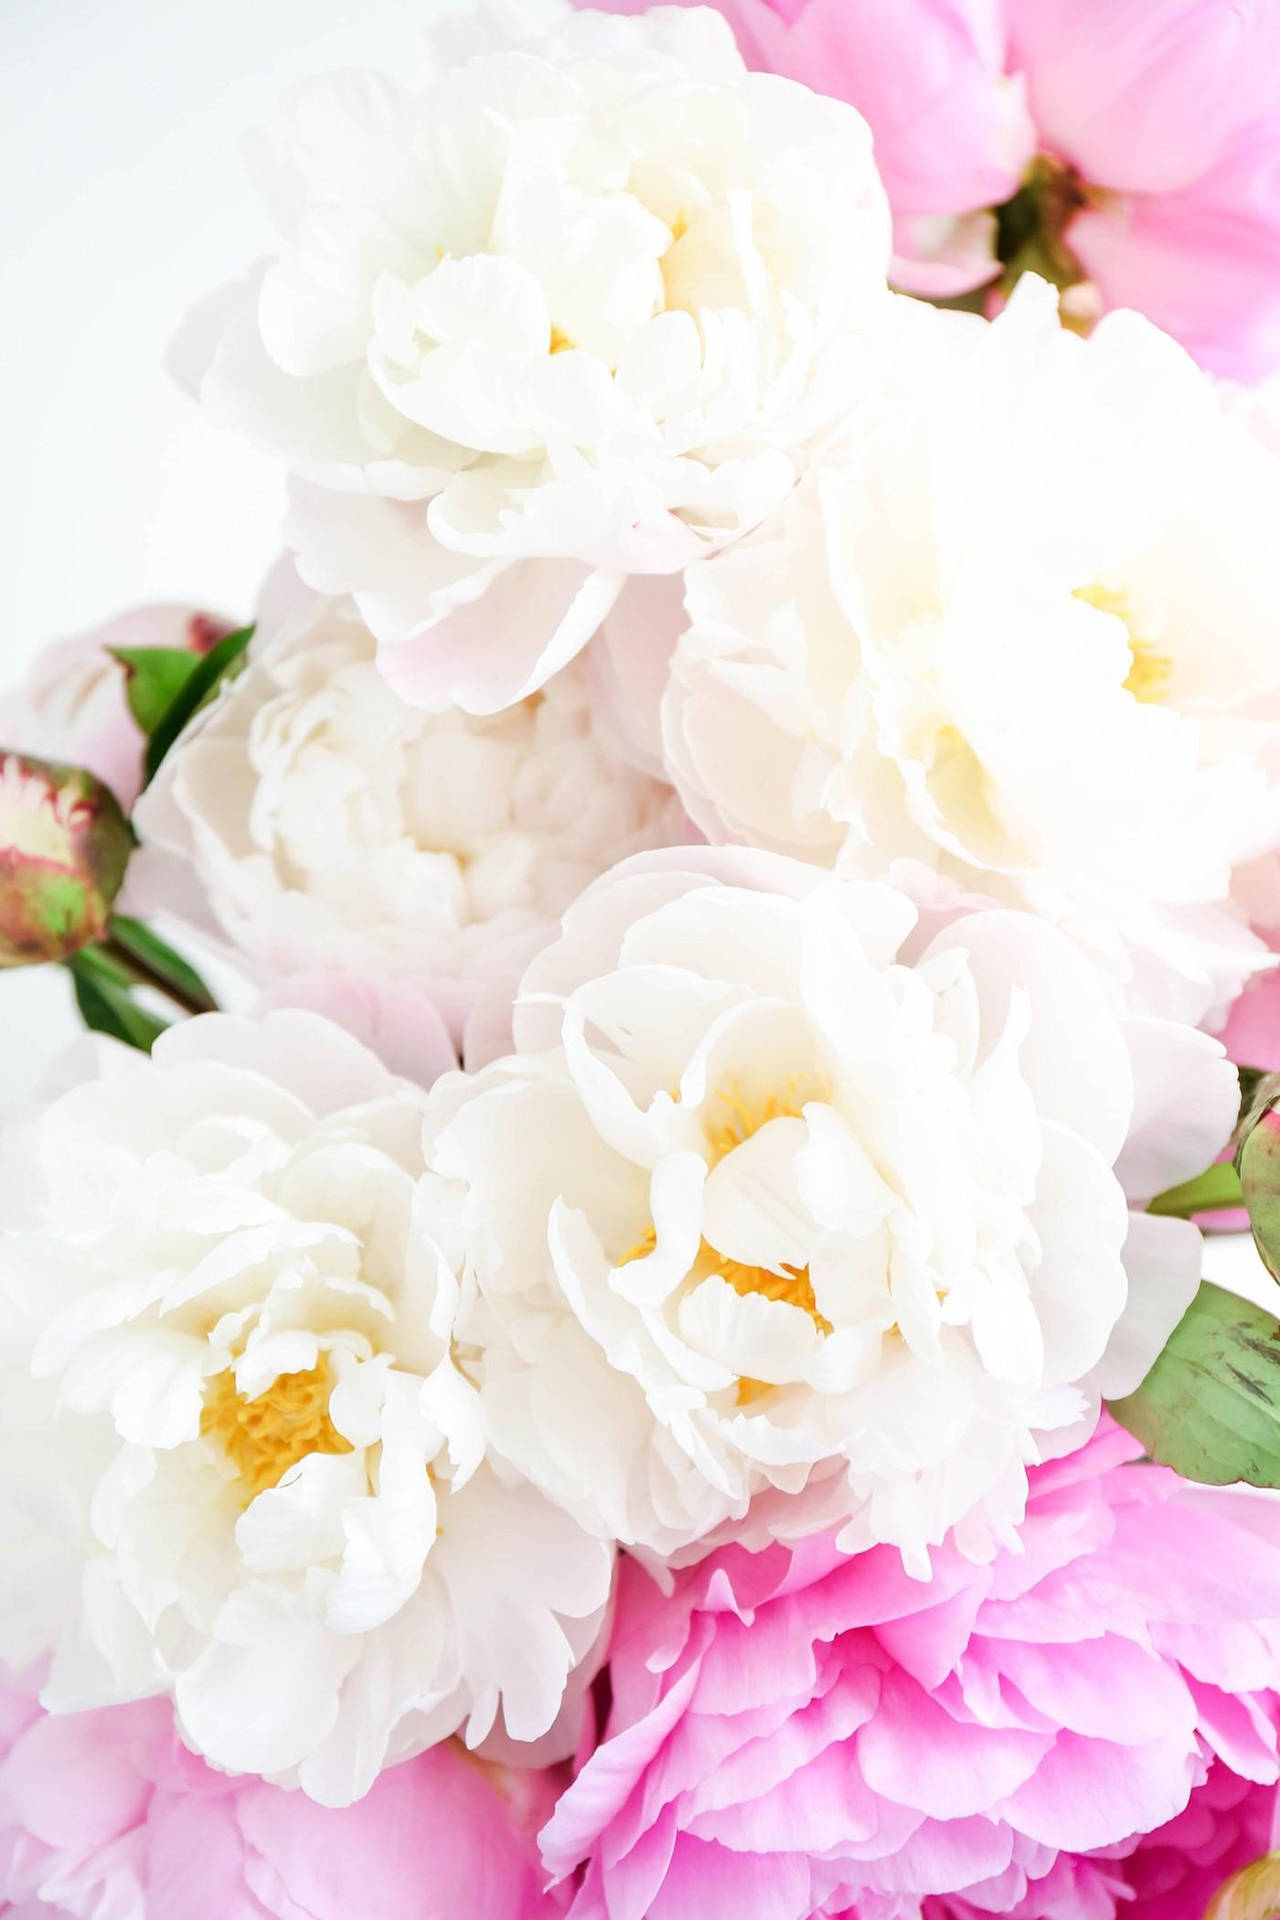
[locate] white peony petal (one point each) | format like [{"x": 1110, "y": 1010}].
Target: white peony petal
[
  {"x": 752, "y": 1208},
  {"x": 1162, "y": 1260},
  {"x": 253, "y": 1410}
]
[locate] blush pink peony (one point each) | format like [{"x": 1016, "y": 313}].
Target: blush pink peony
[
  {"x": 1149, "y": 129},
  {"x": 72, "y": 706},
  {"x": 106, "y": 1816},
  {"x": 801, "y": 1734}
]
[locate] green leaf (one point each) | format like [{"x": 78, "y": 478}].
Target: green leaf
[
  {"x": 200, "y": 685},
  {"x": 153, "y": 963},
  {"x": 1215, "y": 1190},
  {"x": 155, "y": 676},
  {"x": 1210, "y": 1406},
  {"x": 106, "y": 1002}
]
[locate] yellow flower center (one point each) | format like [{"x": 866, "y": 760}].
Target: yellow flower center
[
  {"x": 1150, "y": 671},
  {"x": 267, "y": 1435},
  {"x": 743, "y": 1118}
]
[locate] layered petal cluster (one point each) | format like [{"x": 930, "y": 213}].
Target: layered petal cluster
[
  {"x": 1147, "y": 130},
  {"x": 105, "y": 1815},
  {"x": 73, "y": 705},
  {"x": 795, "y": 1205},
  {"x": 1175, "y": 1871},
  {"x": 1021, "y": 631},
  {"x": 801, "y": 1734},
  {"x": 573, "y": 311},
  {"x": 239, "y": 1464},
  {"x": 324, "y": 823}
]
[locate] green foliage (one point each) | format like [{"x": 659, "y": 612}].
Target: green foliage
[
  {"x": 154, "y": 677},
  {"x": 199, "y": 685},
  {"x": 104, "y": 995},
  {"x": 1210, "y": 1406},
  {"x": 1216, "y": 1190},
  {"x": 155, "y": 964}
]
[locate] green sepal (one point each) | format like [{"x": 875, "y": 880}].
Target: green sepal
[
  {"x": 1210, "y": 1406},
  {"x": 1216, "y": 1190},
  {"x": 206, "y": 675},
  {"x": 154, "y": 677}
]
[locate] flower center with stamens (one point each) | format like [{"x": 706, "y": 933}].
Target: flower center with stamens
[
  {"x": 739, "y": 1120},
  {"x": 1150, "y": 670},
  {"x": 267, "y": 1435}
]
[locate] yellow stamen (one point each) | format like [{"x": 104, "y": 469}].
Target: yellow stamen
[
  {"x": 267, "y": 1435},
  {"x": 792, "y": 1286},
  {"x": 1150, "y": 671},
  {"x": 746, "y": 1117},
  {"x": 560, "y": 342}
]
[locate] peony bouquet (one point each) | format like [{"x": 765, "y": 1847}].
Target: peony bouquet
[{"x": 642, "y": 1350}]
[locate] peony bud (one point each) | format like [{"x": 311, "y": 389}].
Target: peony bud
[
  {"x": 79, "y": 703},
  {"x": 1251, "y": 1894},
  {"x": 64, "y": 846},
  {"x": 1258, "y": 1158}
]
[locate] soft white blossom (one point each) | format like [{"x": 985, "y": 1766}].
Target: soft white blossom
[
  {"x": 238, "y": 1463},
  {"x": 325, "y": 823},
  {"x": 1023, "y": 629},
  {"x": 793, "y": 1197},
  {"x": 575, "y": 310}
]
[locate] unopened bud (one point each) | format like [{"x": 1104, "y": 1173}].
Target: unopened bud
[
  {"x": 1251, "y": 1894},
  {"x": 64, "y": 847}
]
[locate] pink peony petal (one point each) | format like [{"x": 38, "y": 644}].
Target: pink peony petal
[{"x": 966, "y": 1741}]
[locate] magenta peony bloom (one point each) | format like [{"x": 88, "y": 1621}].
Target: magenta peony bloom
[
  {"x": 1177, "y": 1870},
  {"x": 1146, "y": 134},
  {"x": 800, "y": 1734},
  {"x": 104, "y": 1815}
]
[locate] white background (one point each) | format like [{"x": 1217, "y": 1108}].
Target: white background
[{"x": 124, "y": 198}]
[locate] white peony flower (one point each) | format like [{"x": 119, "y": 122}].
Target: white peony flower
[
  {"x": 575, "y": 311},
  {"x": 241, "y": 1464},
  {"x": 328, "y": 824},
  {"x": 789, "y": 1192},
  {"x": 1022, "y": 630}
]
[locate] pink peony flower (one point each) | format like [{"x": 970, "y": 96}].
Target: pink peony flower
[
  {"x": 104, "y": 1815},
  {"x": 1155, "y": 123},
  {"x": 801, "y": 1734},
  {"x": 72, "y": 706}
]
